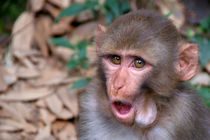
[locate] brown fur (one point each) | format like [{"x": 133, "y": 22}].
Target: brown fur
[{"x": 181, "y": 115}]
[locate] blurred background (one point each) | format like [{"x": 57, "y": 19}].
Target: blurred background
[{"x": 47, "y": 56}]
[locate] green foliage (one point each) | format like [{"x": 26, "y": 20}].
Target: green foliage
[
  {"x": 9, "y": 11},
  {"x": 81, "y": 83},
  {"x": 198, "y": 37},
  {"x": 111, "y": 9},
  {"x": 62, "y": 41},
  {"x": 77, "y": 8},
  {"x": 168, "y": 14},
  {"x": 78, "y": 59},
  {"x": 205, "y": 93}
]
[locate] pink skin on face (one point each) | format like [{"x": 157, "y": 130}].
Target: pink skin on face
[{"x": 123, "y": 82}]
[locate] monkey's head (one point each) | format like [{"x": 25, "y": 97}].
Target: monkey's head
[{"x": 142, "y": 56}]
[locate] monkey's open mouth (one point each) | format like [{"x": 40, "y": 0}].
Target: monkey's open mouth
[{"x": 122, "y": 108}]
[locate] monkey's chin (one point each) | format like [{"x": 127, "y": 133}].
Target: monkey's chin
[{"x": 124, "y": 112}]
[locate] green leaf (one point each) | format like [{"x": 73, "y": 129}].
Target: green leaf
[
  {"x": 82, "y": 44},
  {"x": 168, "y": 14},
  {"x": 205, "y": 24},
  {"x": 190, "y": 33},
  {"x": 205, "y": 92},
  {"x": 82, "y": 53},
  {"x": 113, "y": 6},
  {"x": 124, "y": 7},
  {"x": 204, "y": 49},
  {"x": 84, "y": 64},
  {"x": 91, "y": 4},
  {"x": 81, "y": 83},
  {"x": 61, "y": 41},
  {"x": 73, "y": 63},
  {"x": 108, "y": 17},
  {"x": 73, "y": 9}
]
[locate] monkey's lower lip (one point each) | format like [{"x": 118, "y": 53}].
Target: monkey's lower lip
[{"x": 121, "y": 107}]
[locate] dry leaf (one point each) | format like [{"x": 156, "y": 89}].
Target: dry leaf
[
  {"x": 52, "y": 10},
  {"x": 57, "y": 126},
  {"x": 46, "y": 116},
  {"x": 9, "y": 74},
  {"x": 23, "y": 31},
  {"x": 27, "y": 110},
  {"x": 64, "y": 53},
  {"x": 54, "y": 104},
  {"x": 68, "y": 133},
  {"x": 41, "y": 103},
  {"x": 3, "y": 84},
  {"x": 13, "y": 112},
  {"x": 69, "y": 99},
  {"x": 63, "y": 26},
  {"x": 42, "y": 32},
  {"x": 85, "y": 31},
  {"x": 26, "y": 94},
  {"x": 10, "y": 136},
  {"x": 61, "y": 3},
  {"x": 36, "y": 5},
  {"x": 44, "y": 134},
  {"x": 85, "y": 16},
  {"x": 50, "y": 76},
  {"x": 65, "y": 114},
  {"x": 91, "y": 54},
  {"x": 177, "y": 9},
  {"x": 27, "y": 73},
  {"x": 12, "y": 125}
]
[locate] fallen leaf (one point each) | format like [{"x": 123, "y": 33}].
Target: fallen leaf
[
  {"x": 63, "y": 26},
  {"x": 61, "y": 3},
  {"x": 27, "y": 73},
  {"x": 36, "y": 5},
  {"x": 23, "y": 31},
  {"x": 50, "y": 76},
  {"x": 54, "y": 104},
  {"x": 52, "y": 10},
  {"x": 9, "y": 74},
  {"x": 12, "y": 125},
  {"x": 42, "y": 33},
  {"x": 46, "y": 116},
  {"x": 85, "y": 31},
  {"x": 13, "y": 112},
  {"x": 3, "y": 84},
  {"x": 68, "y": 133},
  {"x": 69, "y": 99},
  {"x": 26, "y": 94},
  {"x": 44, "y": 134},
  {"x": 177, "y": 10}
]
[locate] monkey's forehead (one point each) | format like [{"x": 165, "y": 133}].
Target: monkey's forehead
[{"x": 142, "y": 26}]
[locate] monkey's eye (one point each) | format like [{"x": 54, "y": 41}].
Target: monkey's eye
[
  {"x": 139, "y": 63},
  {"x": 116, "y": 59}
]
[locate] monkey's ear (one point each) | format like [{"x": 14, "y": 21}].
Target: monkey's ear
[
  {"x": 99, "y": 36},
  {"x": 188, "y": 61}
]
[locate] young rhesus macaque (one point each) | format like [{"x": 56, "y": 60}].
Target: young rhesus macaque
[{"x": 139, "y": 93}]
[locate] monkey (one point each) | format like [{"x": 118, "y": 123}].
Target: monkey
[{"x": 139, "y": 92}]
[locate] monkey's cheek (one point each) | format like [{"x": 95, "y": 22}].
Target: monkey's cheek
[{"x": 145, "y": 118}]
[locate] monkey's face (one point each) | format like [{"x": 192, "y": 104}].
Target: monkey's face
[
  {"x": 125, "y": 73},
  {"x": 141, "y": 60}
]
